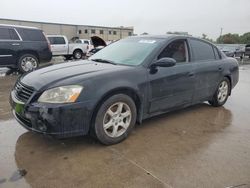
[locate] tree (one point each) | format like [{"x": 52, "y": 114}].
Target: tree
[
  {"x": 204, "y": 36},
  {"x": 229, "y": 39},
  {"x": 145, "y": 33},
  {"x": 245, "y": 38}
]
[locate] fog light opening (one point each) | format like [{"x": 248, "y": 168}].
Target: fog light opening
[{"x": 41, "y": 126}]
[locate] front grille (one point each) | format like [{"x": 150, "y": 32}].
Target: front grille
[{"x": 23, "y": 92}]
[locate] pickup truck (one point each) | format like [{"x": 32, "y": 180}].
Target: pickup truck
[
  {"x": 60, "y": 46},
  {"x": 95, "y": 44}
]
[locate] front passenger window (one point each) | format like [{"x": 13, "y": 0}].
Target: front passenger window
[{"x": 176, "y": 50}]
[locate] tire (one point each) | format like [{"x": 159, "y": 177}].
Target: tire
[
  {"x": 78, "y": 54},
  {"x": 68, "y": 57},
  {"x": 27, "y": 63},
  {"x": 222, "y": 92},
  {"x": 113, "y": 124}
]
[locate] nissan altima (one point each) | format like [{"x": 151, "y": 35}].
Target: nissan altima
[{"x": 121, "y": 85}]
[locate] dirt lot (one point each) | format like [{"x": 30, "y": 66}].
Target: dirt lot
[{"x": 200, "y": 146}]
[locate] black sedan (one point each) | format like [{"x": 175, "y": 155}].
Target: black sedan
[{"x": 126, "y": 82}]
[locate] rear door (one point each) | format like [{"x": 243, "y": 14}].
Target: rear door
[
  {"x": 10, "y": 43},
  {"x": 58, "y": 45},
  {"x": 208, "y": 68}
]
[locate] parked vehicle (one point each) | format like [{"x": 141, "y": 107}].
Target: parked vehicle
[
  {"x": 247, "y": 50},
  {"x": 94, "y": 50},
  {"x": 89, "y": 43},
  {"x": 60, "y": 46},
  {"x": 23, "y": 48},
  {"x": 95, "y": 44},
  {"x": 124, "y": 83},
  {"x": 232, "y": 50}
]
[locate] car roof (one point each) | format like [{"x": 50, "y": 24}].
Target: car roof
[
  {"x": 18, "y": 26},
  {"x": 171, "y": 36},
  {"x": 167, "y": 36}
]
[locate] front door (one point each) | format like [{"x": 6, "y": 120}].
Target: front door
[{"x": 172, "y": 87}]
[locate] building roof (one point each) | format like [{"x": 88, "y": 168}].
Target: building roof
[{"x": 127, "y": 28}]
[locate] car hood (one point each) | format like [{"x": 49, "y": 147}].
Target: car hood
[
  {"x": 80, "y": 70},
  {"x": 97, "y": 41}
]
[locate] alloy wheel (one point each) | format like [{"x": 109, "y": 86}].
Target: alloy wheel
[
  {"x": 222, "y": 92},
  {"x": 117, "y": 119},
  {"x": 28, "y": 64}
]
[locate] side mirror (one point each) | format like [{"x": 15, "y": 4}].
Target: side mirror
[{"x": 164, "y": 62}]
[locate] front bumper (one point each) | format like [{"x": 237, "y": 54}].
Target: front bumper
[{"x": 59, "y": 120}]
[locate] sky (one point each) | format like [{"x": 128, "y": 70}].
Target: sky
[{"x": 151, "y": 16}]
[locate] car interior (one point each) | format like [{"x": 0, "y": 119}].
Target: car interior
[{"x": 176, "y": 50}]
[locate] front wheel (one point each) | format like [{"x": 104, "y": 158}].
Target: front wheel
[
  {"x": 115, "y": 119},
  {"x": 221, "y": 95},
  {"x": 78, "y": 54},
  {"x": 27, "y": 63}
]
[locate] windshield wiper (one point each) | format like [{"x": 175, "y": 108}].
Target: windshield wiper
[{"x": 104, "y": 61}]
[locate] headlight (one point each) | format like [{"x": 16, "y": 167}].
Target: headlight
[{"x": 63, "y": 94}]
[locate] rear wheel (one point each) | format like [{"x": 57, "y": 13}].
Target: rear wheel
[
  {"x": 221, "y": 95},
  {"x": 115, "y": 119},
  {"x": 78, "y": 54},
  {"x": 27, "y": 63}
]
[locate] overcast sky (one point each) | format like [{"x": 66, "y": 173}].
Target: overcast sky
[{"x": 152, "y": 16}]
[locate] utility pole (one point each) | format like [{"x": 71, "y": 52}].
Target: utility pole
[{"x": 221, "y": 30}]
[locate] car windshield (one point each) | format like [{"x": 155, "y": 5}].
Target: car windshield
[{"x": 131, "y": 51}]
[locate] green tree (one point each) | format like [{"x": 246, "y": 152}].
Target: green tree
[
  {"x": 229, "y": 39},
  {"x": 245, "y": 38}
]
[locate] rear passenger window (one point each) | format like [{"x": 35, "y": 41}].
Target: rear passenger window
[
  {"x": 216, "y": 52},
  {"x": 13, "y": 34},
  {"x": 4, "y": 34},
  {"x": 202, "y": 50},
  {"x": 8, "y": 34},
  {"x": 32, "y": 35}
]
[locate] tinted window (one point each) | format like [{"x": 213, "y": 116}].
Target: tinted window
[
  {"x": 201, "y": 50},
  {"x": 4, "y": 34},
  {"x": 56, "y": 40},
  {"x": 114, "y": 32},
  {"x": 92, "y": 31},
  {"x": 110, "y": 32},
  {"x": 32, "y": 35},
  {"x": 86, "y": 31},
  {"x": 101, "y": 32},
  {"x": 13, "y": 34}
]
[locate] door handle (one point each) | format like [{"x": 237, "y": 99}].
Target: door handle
[
  {"x": 220, "y": 69},
  {"x": 191, "y": 74},
  {"x": 15, "y": 44}
]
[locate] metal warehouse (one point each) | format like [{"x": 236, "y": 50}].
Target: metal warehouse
[{"x": 72, "y": 31}]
